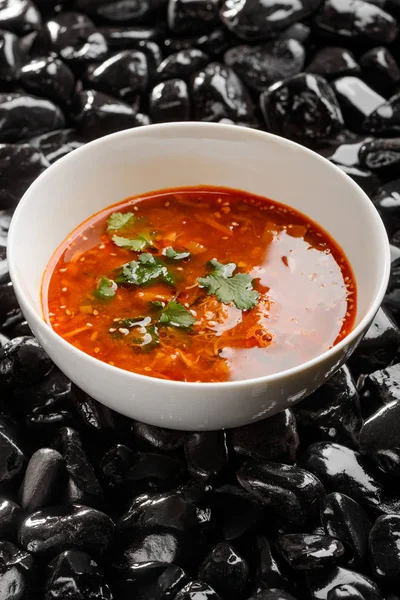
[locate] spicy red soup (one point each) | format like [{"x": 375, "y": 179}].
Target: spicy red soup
[{"x": 200, "y": 284}]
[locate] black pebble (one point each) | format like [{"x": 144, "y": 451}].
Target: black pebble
[
  {"x": 49, "y": 77},
  {"x": 10, "y": 518},
  {"x": 151, "y": 437},
  {"x": 237, "y": 511},
  {"x": 97, "y": 114},
  {"x": 383, "y": 157},
  {"x": 385, "y": 120},
  {"x": 321, "y": 584},
  {"x": 380, "y": 70},
  {"x": 357, "y": 100},
  {"x": 23, "y": 116},
  {"x": 20, "y": 164},
  {"x": 44, "y": 479},
  {"x": 56, "y": 144},
  {"x": 24, "y": 362},
  {"x": 169, "y": 101},
  {"x": 384, "y": 549},
  {"x": 192, "y": 16},
  {"x": 182, "y": 64},
  {"x": 11, "y": 56},
  {"x": 19, "y": 16},
  {"x": 225, "y": 571},
  {"x": 17, "y": 573},
  {"x": 197, "y": 590},
  {"x": 380, "y": 437},
  {"x": 332, "y": 62},
  {"x": 206, "y": 454},
  {"x": 305, "y": 551}
]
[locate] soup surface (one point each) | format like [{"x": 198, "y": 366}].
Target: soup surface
[{"x": 200, "y": 284}]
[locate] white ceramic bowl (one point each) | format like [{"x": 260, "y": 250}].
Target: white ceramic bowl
[{"x": 185, "y": 154}]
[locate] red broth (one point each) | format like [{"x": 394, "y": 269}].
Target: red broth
[{"x": 200, "y": 284}]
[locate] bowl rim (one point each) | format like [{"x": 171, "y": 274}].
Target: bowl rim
[{"x": 200, "y": 128}]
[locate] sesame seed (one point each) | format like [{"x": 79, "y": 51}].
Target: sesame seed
[
  {"x": 82, "y": 259},
  {"x": 63, "y": 306},
  {"x": 89, "y": 325},
  {"x": 97, "y": 350},
  {"x": 51, "y": 314},
  {"x": 68, "y": 312},
  {"x": 167, "y": 203},
  {"x": 148, "y": 369},
  {"x": 112, "y": 329},
  {"x": 123, "y": 330},
  {"x": 84, "y": 237},
  {"x": 135, "y": 208},
  {"x": 95, "y": 312},
  {"x": 113, "y": 254},
  {"x": 102, "y": 246},
  {"x": 111, "y": 363},
  {"x": 64, "y": 289},
  {"x": 116, "y": 319},
  {"x": 63, "y": 270},
  {"x": 225, "y": 237}
]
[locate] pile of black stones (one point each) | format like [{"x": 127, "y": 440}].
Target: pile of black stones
[{"x": 302, "y": 506}]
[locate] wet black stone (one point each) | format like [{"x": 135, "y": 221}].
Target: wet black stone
[
  {"x": 272, "y": 594},
  {"x": 332, "y": 62},
  {"x": 151, "y": 437},
  {"x": 124, "y": 75},
  {"x": 20, "y": 164},
  {"x": 332, "y": 413},
  {"x": 206, "y": 454},
  {"x": 305, "y": 551},
  {"x": 322, "y": 582},
  {"x": 171, "y": 582},
  {"x": 218, "y": 92},
  {"x": 182, "y": 64},
  {"x": 225, "y": 571},
  {"x": 146, "y": 580},
  {"x": 75, "y": 39},
  {"x": 97, "y": 417},
  {"x": 384, "y": 549},
  {"x": 346, "y": 592},
  {"x": 115, "y": 464},
  {"x": 197, "y": 590},
  {"x": 76, "y": 576},
  {"x": 126, "y": 38},
  {"x": 48, "y": 77},
  {"x": 355, "y": 20},
  {"x": 192, "y": 16},
  {"x": 24, "y": 362},
  {"x": 302, "y": 107},
  {"x": 384, "y": 385},
  {"x": 10, "y": 518},
  {"x": 290, "y": 492},
  {"x": 10, "y": 314},
  {"x": 258, "y": 20},
  {"x": 380, "y": 70},
  {"x": 43, "y": 423},
  {"x": 380, "y": 437},
  {"x": 237, "y": 512},
  {"x": 19, "y": 16},
  {"x": 273, "y": 439},
  {"x": 83, "y": 486},
  {"x": 141, "y": 119},
  {"x": 11, "y": 56},
  {"x": 344, "y": 519},
  {"x": 165, "y": 547},
  {"x": 56, "y": 144},
  {"x": 52, "y": 530},
  {"x": 268, "y": 571},
  {"x": 347, "y": 471},
  {"x": 44, "y": 480},
  {"x": 385, "y": 120},
  {"x": 213, "y": 43},
  {"x": 23, "y": 116},
  {"x": 357, "y": 100},
  {"x": 53, "y": 392},
  {"x": 120, "y": 11},
  {"x": 383, "y": 157},
  {"x": 97, "y": 114},
  {"x": 298, "y": 31},
  {"x": 260, "y": 66},
  {"x": 17, "y": 573},
  {"x": 169, "y": 101}
]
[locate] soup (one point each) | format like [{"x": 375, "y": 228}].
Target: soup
[{"x": 200, "y": 284}]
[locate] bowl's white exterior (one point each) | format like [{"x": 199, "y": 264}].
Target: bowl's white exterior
[{"x": 180, "y": 154}]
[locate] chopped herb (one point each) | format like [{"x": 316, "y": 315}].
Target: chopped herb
[
  {"x": 136, "y": 244},
  {"x": 173, "y": 254},
  {"x": 144, "y": 270},
  {"x": 134, "y": 322},
  {"x": 146, "y": 333},
  {"x": 105, "y": 288},
  {"x": 118, "y": 220},
  {"x": 156, "y": 304},
  {"x": 228, "y": 287},
  {"x": 177, "y": 315}
]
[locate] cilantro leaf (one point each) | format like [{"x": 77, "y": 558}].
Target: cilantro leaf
[
  {"x": 134, "y": 322},
  {"x": 105, "y": 288},
  {"x": 177, "y": 315},
  {"x": 146, "y": 333},
  {"x": 144, "y": 270},
  {"x": 118, "y": 220},
  {"x": 228, "y": 287},
  {"x": 173, "y": 254},
  {"x": 136, "y": 244}
]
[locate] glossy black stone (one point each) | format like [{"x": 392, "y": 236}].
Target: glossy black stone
[
  {"x": 149, "y": 471},
  {"x": 381, "y": 156},
  {"x": 357, "y": 100},
  {"x": 237, "y": 512},
  {"x": 126, "y": 38},
  {"x": 206, "y": 454},
  {"x": 169, "y": 101},
  {"x": 151, "y": 437},
  {"x": 305, "y": 551},
  {"x": 347, "y": 471},
  {"x": 298, "y": 31},
  {"x": 19, "y": 16},
  {"x": 269, "y": 573},
  {"x": 119, "y": 11},
  {"x": 385, "y": 120},
  {"x": 384, "y": 550},
  {"x": 17, "y": 573},
  {"x": 380, "y": 437},
  {"x": 258, "y": 20},
  {"x": 74, "y": 574},
  {"x": 197, "y": 590},
  {"x": 217, "y": 92},
  {"x": 48, "y": 77},
  {"x": 213, "y": 43},
  {"x": 262, "y": 65},
  {"x": 44, "y": 479},
  {"x": 24, "y": 362},
  {"x": 83, "y": 487},
  {"x": 156, "y": 580},
  {"x": 56, "y": 144},
  {"x": 272, "y": 594},
  {"x": 302, "y": 107},
  {"x": 322, "y": 583},
  {"x": 384, "y": 385},
  {"x": 225, "y": 571},
  {"x": 11, "y": 56},
  {"x": 166, "y": 547},
  {"x": 274, "y": 439},
  {"x": 52, "y": 530},
  {"x": 380, "y": 70},
  {"x": 346, "y": 592},
  {"x": 23, "y": 116},
  {"x": 10, "y": 313},
  {"x": 124, "y": 75},
  {"x": 343, "y": 518},
  {"x": 171, "y": 582},
  {"x": 97, "y": 417},
  {"x": 97, "y": 114},
  {"x": 332, "y": 62},
  {"x": 355, "y": 19},
  {"x": 192, "y": 16},
  {"x": 290, "y": 492},
  {"x": 10, "y": 517},
  {"x": 75, "y": 39},
  {"x": 20, "y": 164},
  {"x": 182, "y": 64}
]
